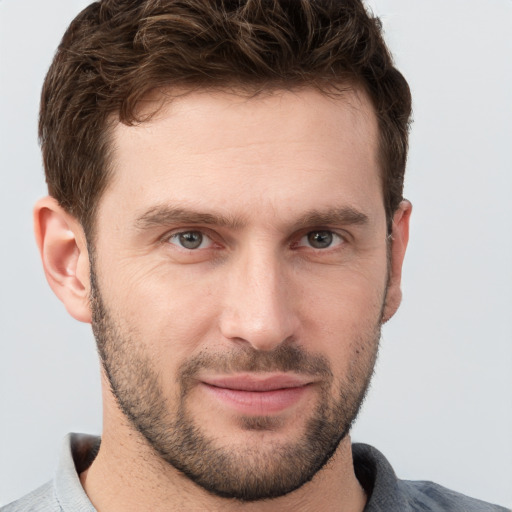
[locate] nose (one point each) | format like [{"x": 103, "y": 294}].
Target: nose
[{"x": 259, "y": 301}]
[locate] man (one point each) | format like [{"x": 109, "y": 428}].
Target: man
[{"x": 226, "y": 210}]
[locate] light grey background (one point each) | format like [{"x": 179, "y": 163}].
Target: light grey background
[{"x": 441, "y": 402}]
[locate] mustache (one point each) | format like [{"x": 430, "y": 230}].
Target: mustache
[{"x": 284, "y": 358}]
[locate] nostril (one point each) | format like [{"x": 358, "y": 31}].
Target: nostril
[{"x": 262, "y": 332}]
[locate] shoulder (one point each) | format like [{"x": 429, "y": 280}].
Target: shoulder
[
  {"x": 42, "y": 499},
  {"x": 386, "y": 492},
  {"x": 424, "y": 496},
  {"x": 64, "y": 492}
]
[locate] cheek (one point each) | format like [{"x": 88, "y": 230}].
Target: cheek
[
  {"x": 171, "y": 311},
  {"x": 175, "y": 310},
  {"x": 344, "y": 299},
  {"x": 341, "y": 317}
]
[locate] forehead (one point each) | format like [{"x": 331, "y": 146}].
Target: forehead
[{"x": 236, "y": 152}]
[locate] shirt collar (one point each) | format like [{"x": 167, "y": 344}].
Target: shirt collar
[{"x": 78, "y": 452}]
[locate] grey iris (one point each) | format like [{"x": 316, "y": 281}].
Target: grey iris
[
  {"x": 191, "y": 239},
  {"x": 320, "y": 239}
]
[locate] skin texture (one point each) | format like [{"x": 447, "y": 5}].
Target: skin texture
[{"x": 290, "y": 275}]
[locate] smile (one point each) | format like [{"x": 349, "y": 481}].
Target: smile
[{"x": 255, "y": 395}]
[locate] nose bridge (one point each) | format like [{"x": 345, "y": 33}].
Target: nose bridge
[{"x": 258, "y": 308}]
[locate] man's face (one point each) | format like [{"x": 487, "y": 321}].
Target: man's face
[{"x": 240, "y": 274}]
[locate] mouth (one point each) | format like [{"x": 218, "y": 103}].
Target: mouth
[{"x": 257, "y": 395}]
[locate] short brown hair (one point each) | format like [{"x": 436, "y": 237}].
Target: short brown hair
[{"x": 116, "y": 52}]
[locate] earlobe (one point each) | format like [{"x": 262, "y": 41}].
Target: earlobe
[
  {"x": 63, "y": 248},
  {"x": 399, "y": 240}
]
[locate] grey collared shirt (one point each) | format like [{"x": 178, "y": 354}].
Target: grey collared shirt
[{"x": 385, "y": 492}]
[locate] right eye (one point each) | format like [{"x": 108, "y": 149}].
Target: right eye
[{"x": 190, "y": 240}]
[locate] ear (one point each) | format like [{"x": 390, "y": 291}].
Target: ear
[
  {"x": 399, "y": 239},
  {"x": 63, "y": 248}
]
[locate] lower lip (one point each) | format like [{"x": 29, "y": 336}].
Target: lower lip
[{"x": 257, "y": 403}]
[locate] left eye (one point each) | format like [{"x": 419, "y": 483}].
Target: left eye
[
  {"x": 322, "y": 239},
  {"x": 190, "y": 240}
]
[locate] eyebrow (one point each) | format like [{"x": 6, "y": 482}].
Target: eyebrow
[
  {"x": 334, "y": 216},
  {"x": 168, "y": 215}
]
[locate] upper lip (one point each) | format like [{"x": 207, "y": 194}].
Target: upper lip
[{"x": 257, "y": 382}]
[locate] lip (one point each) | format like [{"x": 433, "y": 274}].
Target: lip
[
  {"x": 257, "y": 395},
  {"x": 257, "y": 382}
]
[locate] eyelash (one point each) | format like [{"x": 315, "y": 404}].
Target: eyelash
[
  {"x": 337, "y": 239},
  {"x": 179, "y": 234},
  {"x": 332, "y": 234}
]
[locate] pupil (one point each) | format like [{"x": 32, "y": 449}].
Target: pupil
[
  {"x": 320, "y": 239},
  {"x": 191, "y": 239}
]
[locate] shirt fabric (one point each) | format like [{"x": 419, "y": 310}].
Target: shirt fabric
[{"x": 385, "y": 492}]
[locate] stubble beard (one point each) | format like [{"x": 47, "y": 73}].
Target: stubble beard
[{"x": 251, "y": 472}]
